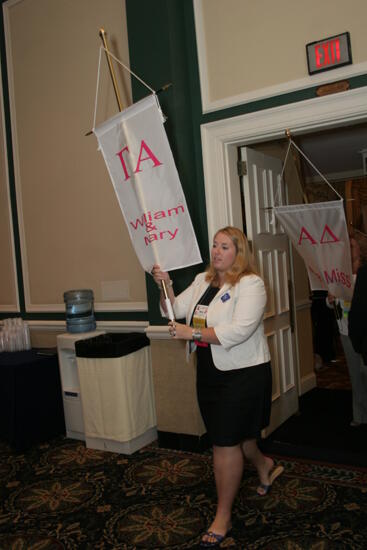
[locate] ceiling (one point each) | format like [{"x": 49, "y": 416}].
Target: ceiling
[{"x": 336, "y": 153}]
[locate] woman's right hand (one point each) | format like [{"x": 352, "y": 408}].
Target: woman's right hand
[{"x": 159, "y": 275}]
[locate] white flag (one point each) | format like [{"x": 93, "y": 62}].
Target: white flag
[
  {"x": 319, "y": 233},
  {"x": 142, "y": 169}
]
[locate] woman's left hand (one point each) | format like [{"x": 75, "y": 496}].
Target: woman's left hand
[{"x": 178, "y": 331}]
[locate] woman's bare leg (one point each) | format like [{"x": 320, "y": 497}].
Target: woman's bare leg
[
  {"x": 228, "y": 468},
  {"x": 262, "y": 463}
]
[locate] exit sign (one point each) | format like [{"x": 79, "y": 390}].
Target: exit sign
[{"x": 329, "y": 53}]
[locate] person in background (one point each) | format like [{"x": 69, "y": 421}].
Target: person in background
[
  {"x": 325, "y": 323},
  {"x": 357, "y": 325},
  {"x": 323, "y": 330},
  {"x": 224, "y": 309},
  {"x": 357, "y": 330},
  {"x": 353, "y": 360}
]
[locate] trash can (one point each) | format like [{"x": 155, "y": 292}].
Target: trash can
[{"x": 116, "y": 390}]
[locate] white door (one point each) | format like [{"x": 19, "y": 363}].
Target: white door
[{"x": 262, "y": 186}]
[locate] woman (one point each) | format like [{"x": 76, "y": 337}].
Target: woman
[{"x": 224, "y": 310}]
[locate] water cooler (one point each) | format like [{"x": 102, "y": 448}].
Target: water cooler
[{"x": 73, "y": 412}]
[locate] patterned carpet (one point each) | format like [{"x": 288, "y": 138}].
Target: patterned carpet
[{"x": 61, "y": 495}]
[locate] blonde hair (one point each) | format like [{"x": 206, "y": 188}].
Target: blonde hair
[{"x": 244, "y": 263}]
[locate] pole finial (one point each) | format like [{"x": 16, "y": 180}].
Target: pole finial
[{"x": 288, "y": 133}]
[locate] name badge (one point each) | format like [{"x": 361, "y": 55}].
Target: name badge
[
  {"x": 225, "y": 297},
  {"x": 199, "y": 317}
]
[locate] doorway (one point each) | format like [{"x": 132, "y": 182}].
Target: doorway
[
  {"x": 221, "y": 140},
  {"x": 340, "y": 155},
  {"x": 325, "y": 417}
]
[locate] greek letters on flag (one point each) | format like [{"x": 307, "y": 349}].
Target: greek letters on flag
[
  {"x": 143, "y": 173},
  {"x": 319, "y": 234}
]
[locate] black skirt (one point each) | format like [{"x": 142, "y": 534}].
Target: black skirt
[{"x": 236, "y": 404}]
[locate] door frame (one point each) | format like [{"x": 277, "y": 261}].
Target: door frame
[{"x": 221, "y": 139}]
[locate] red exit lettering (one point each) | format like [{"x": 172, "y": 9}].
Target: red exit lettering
[{"x": 327, "y": 53}]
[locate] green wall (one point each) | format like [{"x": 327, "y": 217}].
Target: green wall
[{"x": 163, "y": 51}]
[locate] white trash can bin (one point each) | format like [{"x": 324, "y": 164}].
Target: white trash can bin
[{"x": 116, "y": 389}]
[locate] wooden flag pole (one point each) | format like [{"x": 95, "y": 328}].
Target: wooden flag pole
[{"x": 102, "y": 34}]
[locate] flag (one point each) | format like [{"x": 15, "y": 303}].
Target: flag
[
  {"x": 140, "y": 163},
  {"x": 319, "y": 233}
]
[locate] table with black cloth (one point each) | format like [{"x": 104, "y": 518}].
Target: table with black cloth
[{"x": 31, "y": 409}]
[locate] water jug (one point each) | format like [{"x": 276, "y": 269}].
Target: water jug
[{"x": 79, "y": 306}]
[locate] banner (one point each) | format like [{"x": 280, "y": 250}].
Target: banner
[
  {"x": 319, "y": 233},
  {"x": 142, "y": 169}
]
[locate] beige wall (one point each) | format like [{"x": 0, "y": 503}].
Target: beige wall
[
  {"x": 8, "y": 294},
  {"x": 72, "y": 231},
  {"x": 45, "y": 339},
  {"x": 247, "y": 45}
]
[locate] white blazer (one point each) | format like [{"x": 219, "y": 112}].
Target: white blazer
[{"x": 236, "y": 314}]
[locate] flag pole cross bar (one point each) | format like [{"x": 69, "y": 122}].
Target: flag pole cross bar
[{"x": 109, "y": 57}]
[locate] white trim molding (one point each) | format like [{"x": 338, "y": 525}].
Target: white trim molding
[
  {"x": 11, "y": 308},
  {"x": 15, "y": 307},
  {"x": 98, "y": 306},
  {"x": 153, "y": 332},
  {"x": 107, "y": 326},
  {"x": 210, "y": 105},
  {"x": 158, "y": 332},
  {"x": 221, "y": 139}
]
